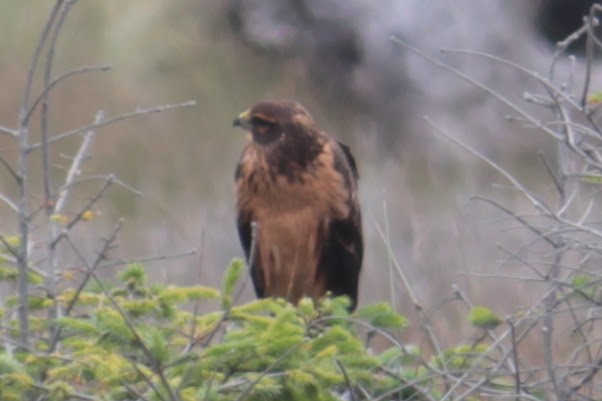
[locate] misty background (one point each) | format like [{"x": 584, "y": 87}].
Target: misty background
[{"x": 337, "y": 58}]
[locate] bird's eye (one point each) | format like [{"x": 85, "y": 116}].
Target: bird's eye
[{"x": 258, "y": 121}]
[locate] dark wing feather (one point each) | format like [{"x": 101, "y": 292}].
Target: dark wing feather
[
  {"x": 349, "y": 158},
  {"x": 342, "y": 251},
  {"x": 245, "y": 234}
]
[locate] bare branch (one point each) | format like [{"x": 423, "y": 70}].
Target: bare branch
[
  {"x": 524, "y": 191},
  {"x": 243, "y": 395},
  {"x": 489, "y": 91},
  {"x": 569, "y": 229},
  {"x": 147, "y": 259},
  {"x": 34, "y": 62},
  {"x": 590, "y": 22},
  {"x": 434, "y": 343},
  {"x": 75, "y": 167},
  {"x": 90, "y": 268},
  {"x": 550, "y": 171},
  {"x": 154, "y": 364},
  {"x": 10, "y": 169},
  {"x": 518, "y": 218},
  {"x": 341, "y": 367},
  {"x": 78, "y": 217},
  {"x": 562, "y": 46},
  {"x": 389, "y": 258},
  {"x": 22, "y": 181},
  {"x": 45, "y": 106},
  {"x": 101, "y": 177},
  {"x": 249, "y": 264},
  {"x": 8, "y": 246},
  {"x": 9, "y": 131},
  {"x": 121, "y": 117},
  {"x": 59, "y": 79},
  {"x": 9, "y": 202},
  {"x": 548, "y": 85}
]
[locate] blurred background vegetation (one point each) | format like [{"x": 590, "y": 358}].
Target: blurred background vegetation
[{"x": 337, "y": 59}]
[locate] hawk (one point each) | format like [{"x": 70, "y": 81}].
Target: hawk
[{"x": 298, "y": 187}]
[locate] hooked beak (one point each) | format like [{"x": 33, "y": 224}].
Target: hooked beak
[{"x": 243, "y": 120}]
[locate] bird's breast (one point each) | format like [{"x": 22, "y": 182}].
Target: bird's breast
[
  {"x": 316, "y": 187},
  {"x": 289, "y": 247}
]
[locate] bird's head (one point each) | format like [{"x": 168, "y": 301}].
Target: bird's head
[{"x": 272, "y": 122}]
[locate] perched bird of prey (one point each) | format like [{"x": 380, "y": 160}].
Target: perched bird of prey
[{"x": 299, "y": 188}]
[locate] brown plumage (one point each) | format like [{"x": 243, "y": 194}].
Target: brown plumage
[{"x": 300, "y": 188}]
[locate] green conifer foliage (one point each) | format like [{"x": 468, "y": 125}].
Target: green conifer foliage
[{"x": 129, "y": 341}]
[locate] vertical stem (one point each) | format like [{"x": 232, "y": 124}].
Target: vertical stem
[
  {"x": 23, "y": 183},
  {"x": 551, "y": 300},
  {"x": 51, "y": 282},
  {"x": 548, "y": 327},
  {"x": 564, "y": 169},
  {"x": 22, "y": 257}
]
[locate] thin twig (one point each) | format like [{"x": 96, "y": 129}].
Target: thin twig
[
  {"x": 352, "y": 395},
  {"x": 135, "y": 392},
  {"x": 209, "y": 385},
  {"x": 9, "y": 202},
  {"x": 590, "y": 23},
  {"x": 550, "y": 170},
  {"x": 102, "y": 177},
  {"x": 409, "y": 288},
  {"x": 8, "y": 246},
  {"x": 547, "y": 84},
  {"x": 529, "y": 117},
  {"x": 588, "y": 377},
  {"x": 70, "y": 395},
  {"x": 547, "y": 329},
  {"x": 562, "y": 46},
  {"x": 9, "y": 131},
  {"x": 268, "y": 369},
  {"x": 78, "y": 217},
  {"x": 389, "y": 258},
  {"x": 514, "y": 347},
  {"x": 45, "y": 105},
  {"x": 249, "y": 265},
  {"x": 120, "y": 117},
  {"x": 145, "y": 259},
  {"x": 62, "y": 77},
  {"x": 518, "y": 218},
  {"x": 579, "y": 329},
  {"x": 192, "y": 335},
  {"x": 75, "y": 167},
  {"x": 552, "y": 90},
  {"x": 539, "y": 204},
  {"x": 92, "y": 267},
  {"x": 102, "y": 254},
  {"x": 154, "y": 363},
  {"x": 147, "y": 380},
  {"x": 487, "y": 333},
  {"x": 516, "y": 256},
  {"x": 10, "y": 169},
  {"x": 34, "y": 62}
]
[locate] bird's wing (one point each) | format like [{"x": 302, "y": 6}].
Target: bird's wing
[
  {"x": 245, "y": 233},
  {"x": 346, "y": 152},
  {"x": 342, "y": 250},
  {"x": 244, "y": 220}
]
